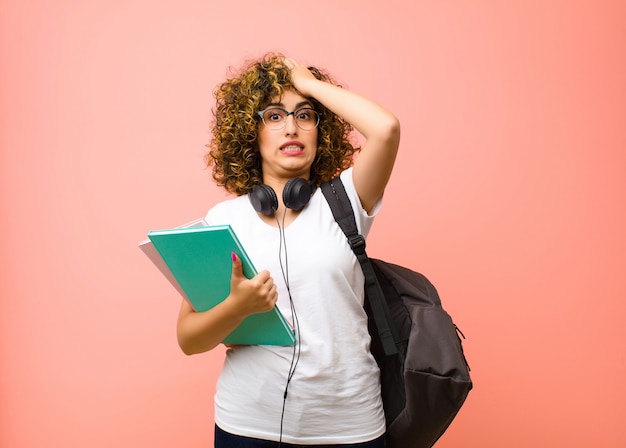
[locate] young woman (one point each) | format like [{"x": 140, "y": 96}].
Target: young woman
[{"x": 282, "y": 127}]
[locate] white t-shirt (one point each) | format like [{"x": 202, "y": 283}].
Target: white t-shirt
[{"x": 334, "y": 395}]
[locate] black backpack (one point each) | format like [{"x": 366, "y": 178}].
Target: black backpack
[{"x": 424, "y": 374}]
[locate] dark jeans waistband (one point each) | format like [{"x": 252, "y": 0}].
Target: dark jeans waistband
[{"x": 224, "y": 439}]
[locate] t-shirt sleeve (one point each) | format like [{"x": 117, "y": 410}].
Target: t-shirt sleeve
[{"x": 364, "y": 220}]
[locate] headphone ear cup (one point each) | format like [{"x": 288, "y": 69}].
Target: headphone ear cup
[
  {"x": 264, "y": 200},
  {"x": 297, "y": 193}
]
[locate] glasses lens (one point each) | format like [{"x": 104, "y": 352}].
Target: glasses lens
[
  {"x": 306, "y": 118},
  {"x": 274, "y": 118}
]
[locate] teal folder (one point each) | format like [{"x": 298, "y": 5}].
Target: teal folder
[{"x": 200, "y": 259}]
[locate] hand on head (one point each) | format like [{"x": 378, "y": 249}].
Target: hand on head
[{"x": 300, "y": 75}]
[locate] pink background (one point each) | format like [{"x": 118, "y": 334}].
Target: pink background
[{"x": 509, "y": 193}]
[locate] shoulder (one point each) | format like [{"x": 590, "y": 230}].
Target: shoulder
[
  {"x": 348, "y": 182},
  {"x": 228, "y": 210},
  {"x": 347, "y": 177}
]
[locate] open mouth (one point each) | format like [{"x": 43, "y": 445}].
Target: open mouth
[{"x": 292, "y": 148}]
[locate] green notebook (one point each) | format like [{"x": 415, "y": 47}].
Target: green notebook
[{"x": 200, "y": 259}]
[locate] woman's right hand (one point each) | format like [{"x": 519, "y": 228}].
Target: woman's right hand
[
  {"x": 251, "y": 296},
  {"x": 200, "y": 332}
]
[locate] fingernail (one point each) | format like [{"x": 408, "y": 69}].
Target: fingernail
[{"x": 234, "y": 257}]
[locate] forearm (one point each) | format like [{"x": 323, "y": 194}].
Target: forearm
[
  {"x": 199, "y": 332},
  {"x": 372, "y": 120}
]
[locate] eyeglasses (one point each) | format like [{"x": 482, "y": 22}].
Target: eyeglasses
[{"x": 275, "y": 118}]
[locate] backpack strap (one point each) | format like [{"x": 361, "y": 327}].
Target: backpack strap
[{"x": 340, "y": 205}]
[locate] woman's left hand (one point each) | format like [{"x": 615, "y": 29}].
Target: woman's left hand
[{"x": 300, "y": 76}]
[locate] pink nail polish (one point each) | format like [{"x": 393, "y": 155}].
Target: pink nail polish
[{"x": 234, "y": 256}]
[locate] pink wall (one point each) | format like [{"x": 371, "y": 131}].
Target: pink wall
[{"x": 509, "y": 193}]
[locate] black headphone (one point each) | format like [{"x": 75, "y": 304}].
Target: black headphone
[{"x": 296, "y": 195}]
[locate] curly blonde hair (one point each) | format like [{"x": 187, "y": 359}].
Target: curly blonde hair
[{"x": 233, "y": 149}]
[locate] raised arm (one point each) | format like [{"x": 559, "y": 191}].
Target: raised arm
[{"x": 381, "y": 129}]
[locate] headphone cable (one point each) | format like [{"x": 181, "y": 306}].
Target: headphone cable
[{"x": 295, "y": 358}]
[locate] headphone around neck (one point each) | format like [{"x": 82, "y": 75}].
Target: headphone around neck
[{"x": 296, "y": 195}]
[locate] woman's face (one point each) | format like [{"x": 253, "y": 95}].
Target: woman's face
[{"x": 288, "y": 152}]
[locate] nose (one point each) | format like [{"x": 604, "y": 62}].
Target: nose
[{"x": 290, "y": 124}]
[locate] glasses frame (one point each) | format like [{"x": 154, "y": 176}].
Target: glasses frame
[{"x": 262, "y": 112}]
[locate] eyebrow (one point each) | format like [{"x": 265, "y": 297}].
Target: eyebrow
[{"x": 298, "y": 106}]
